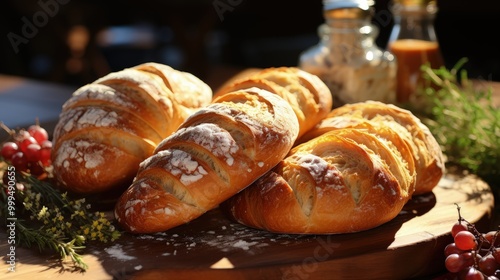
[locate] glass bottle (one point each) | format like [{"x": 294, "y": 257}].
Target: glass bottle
[
  {"x": 347, "y": 58},
  {"x": 413, "y": 42}
]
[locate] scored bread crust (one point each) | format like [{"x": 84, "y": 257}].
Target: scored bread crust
[
  {"x": 106, "y": 128},
  {"x": 343, "y": 181},
  {"x": 427, "y": 154},
  {"x": 355, "y": 170},
  {"x": 215, "y": 153},
  {"x": 309, "y": 97},
  {"x": 189, "y": 91}
]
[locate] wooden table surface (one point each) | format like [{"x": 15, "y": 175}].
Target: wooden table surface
[{"x": 22, "y": 101}]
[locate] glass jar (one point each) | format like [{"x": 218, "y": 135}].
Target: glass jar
[
  {"x": 413, "y": 42},
  {"x": 347, "y": 58}
]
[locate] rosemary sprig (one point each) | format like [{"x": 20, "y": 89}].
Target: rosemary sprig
[{"x": 463, "y": 119}]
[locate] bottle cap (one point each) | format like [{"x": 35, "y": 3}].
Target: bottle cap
[
  {"x": 416, "y": 5},
  {"x": 341, "y": 4},
  {"x": 416, "y": 2}
]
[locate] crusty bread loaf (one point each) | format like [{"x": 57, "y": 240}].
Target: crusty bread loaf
[
  {"x": 111, "y": 125},
  {"x": 427, "y": 154},
  {"x": 343, "y": 181},
  {"x": 215, "y": 153},
  {"x": 309, "y": 97},
  {"x": 354, "y": 171},
  {"x": 189, "y": 91}
]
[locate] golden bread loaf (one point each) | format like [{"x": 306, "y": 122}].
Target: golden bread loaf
[
  {"x": 309, "y": 97},
  {"x": 354, "y": 171},
  {"x": 427, "y": 154},
  {"x": 215, "y": 153},
  {"x": 106, "y": 128},
  {"x": 343, "y": 181}
]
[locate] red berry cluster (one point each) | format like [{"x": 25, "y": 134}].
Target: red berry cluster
[
  {"x": 473, "y": 255},
  {"x": 29, "y": 151}
]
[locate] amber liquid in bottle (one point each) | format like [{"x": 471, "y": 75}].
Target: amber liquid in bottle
[{"x": 411, "y": 54}]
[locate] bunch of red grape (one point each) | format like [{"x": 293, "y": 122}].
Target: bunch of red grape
[
  {"x": 29, "y": 150},
  {"x": 473, "y": 255}
]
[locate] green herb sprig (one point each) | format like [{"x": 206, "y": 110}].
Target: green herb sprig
[
  {"x": 463, "y": 119},
  {"x": 50, "y": 220}
]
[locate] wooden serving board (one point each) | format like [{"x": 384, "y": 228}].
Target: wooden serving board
[{"x": 212, "y": 247}]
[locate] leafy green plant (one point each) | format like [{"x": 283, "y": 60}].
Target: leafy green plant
[{"x": 463, "y": 119}]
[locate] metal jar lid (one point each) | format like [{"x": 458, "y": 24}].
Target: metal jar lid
[{"x": 341, "y": 4}]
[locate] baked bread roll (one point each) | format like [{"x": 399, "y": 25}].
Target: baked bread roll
[
  {"x": 215, "y": 153},
  {"x": 108, "y": 127},
  {"x": 427, "y": 154},
  {"x": 343, "y": 181},
  {"x": 309, "y": 97}
]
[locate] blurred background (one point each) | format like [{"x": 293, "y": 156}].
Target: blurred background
[{"x": 74, "y": 41}]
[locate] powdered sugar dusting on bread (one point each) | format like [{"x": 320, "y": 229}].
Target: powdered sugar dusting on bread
[
  {"x": 94, "y": 159},
  {"x": 131, "y": 203},
  {"x": 242, "y": 115},
  {"x": 99, "y": 92},
  {"x": 80, "y": 151},
  {"x": 92, "y": 117},
  {"x": 321, "y": 171},
  {"x": 213, "y": 138},
  {"x": 256, "y": 119},
  {"x": 182, "y": 165},
  {"x": 98, "y": 117}
]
